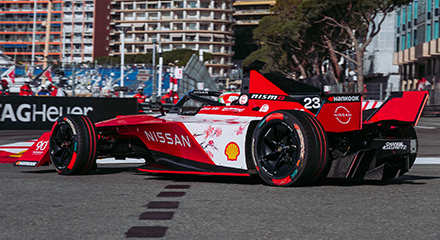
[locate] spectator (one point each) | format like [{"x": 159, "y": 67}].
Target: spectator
[
  {"x": 5, "y": 88},
  {"x": 166, "y": 98},
  {"x": 174, "y": 97},
  {"x": 44, "y": 89},
  {"x": 140, "y": 95},
  {"x": 112, "y": 94},
  {"x": 26, "y": 89},
  {"x": 58, "y": 91}
]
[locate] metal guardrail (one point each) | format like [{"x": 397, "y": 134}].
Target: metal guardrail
[
  {"x": 431, "y": 111},
  {"x": 154, "y": 107}
]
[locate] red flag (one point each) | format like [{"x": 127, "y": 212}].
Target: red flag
[
  {"x": 48, "y": 74},
  {"x": 11, "y": 75}
]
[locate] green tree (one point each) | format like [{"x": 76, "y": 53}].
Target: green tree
[
  {"x": 289, "y": 43},
  {"x": 311, "y": 28},
  {"x": 361, "y": 20},
  {"x": 180, "y": 57}
]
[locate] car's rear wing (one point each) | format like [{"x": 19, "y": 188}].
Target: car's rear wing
[{"x": 404, "y": 107}]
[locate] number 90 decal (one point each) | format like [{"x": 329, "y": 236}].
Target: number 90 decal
[{"x": 312, "y": 103}]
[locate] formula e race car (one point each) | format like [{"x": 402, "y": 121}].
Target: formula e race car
[{"x": 285, "y": 131}]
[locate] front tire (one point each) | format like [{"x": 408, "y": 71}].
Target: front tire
[
  {"x": 73, "y": 145},
  {"x": 289, "y": 148}
]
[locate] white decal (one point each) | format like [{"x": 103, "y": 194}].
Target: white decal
[
  {"x": 394, "y": 146},
  {"x": 26, "y": 163},
  {"x": 264, "y": 108},
  {"x": 413, "y": 146},
  {"x": 168, "y": 138},
  {"x": 232, "y": 109},
  {"x": 32, "y": 113},
  {"x": 243, "y": 99},
  {"x": 345, "y": 99},
  {"x": 41, "y": 145},
  {"x": 342, "y": 115},
  {"x": 314, "y": 103}
]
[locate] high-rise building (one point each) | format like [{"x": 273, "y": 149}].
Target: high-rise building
[
  {"x": 79, "y": 30},
  {"x": 86, "y": 30},
  {"x": 16, "y": 30},
  {"x": 417, "y": 42},
  {"x": 202, "y": 25},
  {"x": 247, "y": 16}
]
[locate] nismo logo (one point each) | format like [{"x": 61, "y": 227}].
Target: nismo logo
[{"x": 267, "y": 97}]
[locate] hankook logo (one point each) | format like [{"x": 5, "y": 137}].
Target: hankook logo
[{"x": 345, "y": 99}]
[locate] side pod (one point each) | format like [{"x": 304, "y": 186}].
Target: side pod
[{"x": 37, "y": 154}]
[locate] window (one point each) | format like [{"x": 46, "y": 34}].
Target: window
[
  {"x": 416, "y": 4},
  {"x": 436, "y": 30},
  {"x": 415, "y": 38},
  {"x": 403, "y": 43},
  {"x": 192, "y": 4},
  {"x": 428, "y": 32},
  {"x": 403, "y": 16}
]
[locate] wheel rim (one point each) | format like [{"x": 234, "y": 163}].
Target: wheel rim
[
  {"x": 278, "y": 150},
  {"x": 62, "y": 144}
]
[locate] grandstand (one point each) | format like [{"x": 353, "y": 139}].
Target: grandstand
[{"x": 98, "y": 76}]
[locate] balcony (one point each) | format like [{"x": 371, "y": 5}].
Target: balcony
[
  {"x": 88, "y": 50},
  {"x": 422, "y": 50}
]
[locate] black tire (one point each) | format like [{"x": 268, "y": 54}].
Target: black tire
[
  {"x": 73, "y": 145},
  {"x": 289, "y": 148},
  {"x": 395, "y": 166}
]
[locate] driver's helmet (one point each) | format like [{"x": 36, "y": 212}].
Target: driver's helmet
[{"x": 228, "y": 97}]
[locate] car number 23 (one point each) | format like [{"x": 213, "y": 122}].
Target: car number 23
[{"x": 312, "y": 103}]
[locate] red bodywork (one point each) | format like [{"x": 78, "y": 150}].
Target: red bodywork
[{"x": 215, "y": 140}]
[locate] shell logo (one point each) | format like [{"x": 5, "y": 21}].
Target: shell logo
[{"x": 232, "y": 151}]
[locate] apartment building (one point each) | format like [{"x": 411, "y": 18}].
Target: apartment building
[
  {"x": 250, "y": 12},
  {"x": 86, "y": 30},
  {"x": 16, "y": 29},
  {"x": 202, "y": 25},
  {"x": 247, "y": 15},
  {"x": 417, "y": 42},
  {"x": 79, "y": 30}
]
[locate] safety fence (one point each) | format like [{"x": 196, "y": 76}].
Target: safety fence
[
  {"x": 20, "y": 113},
  {"x": 376, "y": 93}
]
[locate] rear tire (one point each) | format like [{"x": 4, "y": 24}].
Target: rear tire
[
  {"x": 73, "y": 145},
  {"x": 289, "y": 148}
]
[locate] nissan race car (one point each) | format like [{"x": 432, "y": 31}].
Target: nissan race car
[{"x": 285, "y": 131}]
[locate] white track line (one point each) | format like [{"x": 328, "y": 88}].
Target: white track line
[
  {"x": 22, "y": 146},
  {"x": 423, "y": 127}
]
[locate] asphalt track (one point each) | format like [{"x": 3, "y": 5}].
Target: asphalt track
[{"x": 117, "y": 202}]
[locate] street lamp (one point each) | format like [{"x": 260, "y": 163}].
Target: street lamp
[
  {"x": 154, "y": 40},
  {"x": 159, "y": 51},
  {"x": 122, "y": 28}
]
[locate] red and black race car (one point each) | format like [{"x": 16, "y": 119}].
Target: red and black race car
[{"x": 285, "y": 131}]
